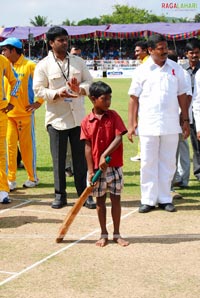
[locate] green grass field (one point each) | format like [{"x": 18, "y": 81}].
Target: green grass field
[{"x": 131, "y": 169}]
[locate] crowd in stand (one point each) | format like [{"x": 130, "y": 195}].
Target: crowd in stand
[{"x": 108, "y": 49}]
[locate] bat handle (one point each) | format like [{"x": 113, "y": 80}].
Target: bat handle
[{"x": 98, "y": 173}]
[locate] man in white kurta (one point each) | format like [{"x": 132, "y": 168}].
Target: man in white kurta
[{"x": 156, "y": 93}]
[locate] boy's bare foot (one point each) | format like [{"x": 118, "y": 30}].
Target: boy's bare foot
[
  {"x": 103, "y": 241},
  {"x": 119, "y": 240}
]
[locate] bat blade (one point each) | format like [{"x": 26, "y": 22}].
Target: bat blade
[
  {"x": 77, "y": 206},
  {"x": 72, "y": 214}
]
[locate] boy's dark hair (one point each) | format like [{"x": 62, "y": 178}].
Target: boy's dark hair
[
  {"x": 99, "y": 88},
  {"x": 192, "y": 44},
  {"x": 154, "y": 39},
  {"x": 55, "y": 32},
  {"x": 142, "y": 45}
]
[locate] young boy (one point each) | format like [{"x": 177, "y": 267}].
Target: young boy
[{"x": 102, "y": 131}]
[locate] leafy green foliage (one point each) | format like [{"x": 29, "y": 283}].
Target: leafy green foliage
[
  {"x": 93, "y": 21},
  {"x": 39, "y": 21},
  {"x": 125, "y": 14}
]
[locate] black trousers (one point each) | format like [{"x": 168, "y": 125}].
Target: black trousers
[
  {"x": 58, "y": 147},
  {"x": 196, "y": 150}
]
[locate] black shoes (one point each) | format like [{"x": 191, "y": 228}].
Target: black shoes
[
  {"x": 58, "y": 203},
  {"x": 167, "y": 207},
  {"x": 89, "y": 203},
  {"x": 145, "y": 208}
]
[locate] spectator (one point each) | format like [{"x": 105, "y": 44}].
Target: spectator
[
  {"x": 182, "y": 175},
  {"x": 156, "y": 92},
  {"x": 61, "y": 79},
  {"x": 75, "y": 50},
  {"x": 5, "y": 107},
  {"x": 196, "y": 103},
  {"x": 141, "y": 51},
  {"x": 21, "y": 118},
  {"x": 192, "y": 66}
]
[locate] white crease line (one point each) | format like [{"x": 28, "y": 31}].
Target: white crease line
[
  {"x": 57, "y": 213},
  {"x": 58, "y": 252},
  {"x": 6, "y": 272},
  {"x": 63, "y": 214},
  {"x": 40, "y": 211},
  {"x": 14, "y": 207}
]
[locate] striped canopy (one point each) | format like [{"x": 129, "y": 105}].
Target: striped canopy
[{"x": 177, "y": 31}]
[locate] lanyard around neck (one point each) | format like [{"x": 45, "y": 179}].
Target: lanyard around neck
[{"x": 64, "y": 75}]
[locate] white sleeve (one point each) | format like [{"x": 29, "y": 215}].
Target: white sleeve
[
  {"x": 135, "y": 87},
  {"x": 188, "y": 82},
  {"x": 41, "y": 84}
]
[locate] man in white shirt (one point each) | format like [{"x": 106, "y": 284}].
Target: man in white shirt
[
  {"x": 196, "y": 103},
  {"x": 61, "y": 79},
  {"x": 156, "y": 93},
  {"x": 192, "y": 65},
  {"x": 182, "y": 175}
]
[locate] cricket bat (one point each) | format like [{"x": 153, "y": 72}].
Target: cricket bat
[{"x": 77, "y": 206}]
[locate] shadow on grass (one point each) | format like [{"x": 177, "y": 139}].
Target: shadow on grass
[
  {"x": 131, "y": 184},
  {"x": 132, "y": 173},
  {"x": 188, "y": 204},
  {"x": 45, "y": 169},
  {"x": 46, "y": 185},
  {"x": 26, "y": 196},
  {"x": 165, "y": 239},
  {"x": 43, "y": 185},
  {"x": 191, "y": 191}
]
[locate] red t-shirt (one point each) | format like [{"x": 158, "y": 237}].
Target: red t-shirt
[{"x": 100, "y": 133}]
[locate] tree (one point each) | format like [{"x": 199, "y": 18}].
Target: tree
[
  {"x": 68, "y": 23},
  {"x": 197, "y": 18},
  {"x": 93, "y": 21},
  {"x": 39, "y": 21},
  {"x": 123, "y": 14}
]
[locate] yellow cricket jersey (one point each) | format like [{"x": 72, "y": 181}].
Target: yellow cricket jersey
[
  {"x": 145, "y": 59},
  {"x": 6, "y": 71},
  {"x": 23, "y": 70}
]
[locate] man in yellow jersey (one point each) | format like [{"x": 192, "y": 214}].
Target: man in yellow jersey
[
  {"x": 141, "y": 53},
  {"x": 5, "y": 71},
  {"x": 21, "y": 118}
]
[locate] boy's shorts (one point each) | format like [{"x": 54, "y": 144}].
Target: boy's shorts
[{"x": 110, "y": 181}]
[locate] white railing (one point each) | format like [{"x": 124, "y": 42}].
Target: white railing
[{"x": 111, "y": 64}]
